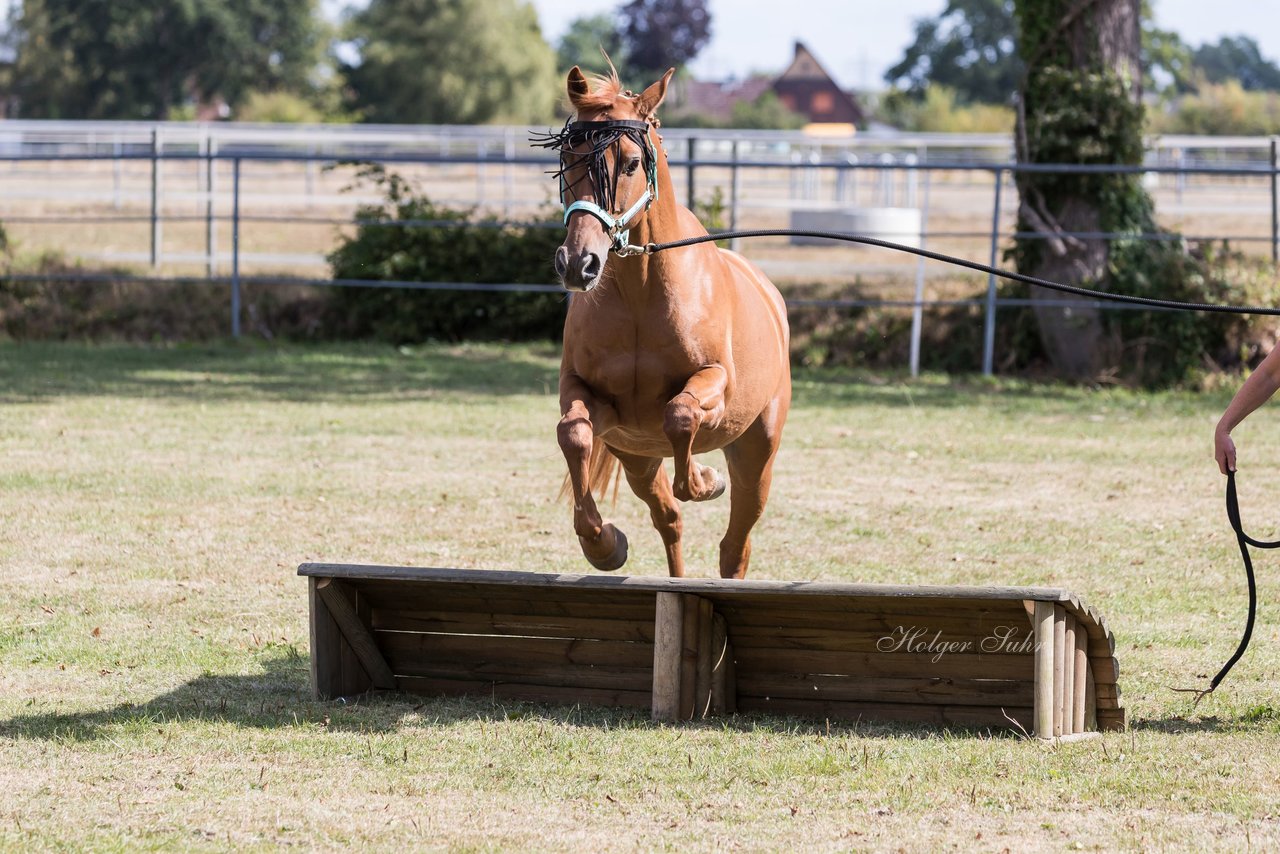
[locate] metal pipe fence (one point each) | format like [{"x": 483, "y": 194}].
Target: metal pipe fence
[{"x": 765, "y": 174}]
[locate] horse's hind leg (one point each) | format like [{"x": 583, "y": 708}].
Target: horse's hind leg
[
  {"x": 750, "y": 459},
  {"x": 648, "y": 480},
  {"x": 604, "y": 546}
]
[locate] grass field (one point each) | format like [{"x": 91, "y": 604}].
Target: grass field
[{"x": 155, "y": 503}]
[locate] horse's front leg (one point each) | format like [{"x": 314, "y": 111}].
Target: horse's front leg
[
  {"x": 699, "y": 404},
  {"x": 604, "y": 546}
]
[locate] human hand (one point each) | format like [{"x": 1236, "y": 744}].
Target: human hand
[{"x": 1224, "y": 451}]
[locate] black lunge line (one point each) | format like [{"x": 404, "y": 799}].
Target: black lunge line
[
  {"x": 1244, "y": 541},
  {"x": 651, "y": 248}
]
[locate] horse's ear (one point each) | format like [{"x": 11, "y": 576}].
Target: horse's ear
[
  {"x": 647, "y": 103},
  {"x": 577, "y": 86}
]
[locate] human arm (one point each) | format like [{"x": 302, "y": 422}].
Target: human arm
[{"x": 1257, "y": 390}]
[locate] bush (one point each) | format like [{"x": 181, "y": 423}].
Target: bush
[
  {"x": 1225, "y": 109},
  {"x": 938, "y": 112},
  {"x": 453, "y": 247},
  {"x": 49, "y": 298},
  {"x": 1166, "y": 348}
]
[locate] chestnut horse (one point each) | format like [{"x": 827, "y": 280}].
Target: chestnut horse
[{"x": 665, "y": 355}]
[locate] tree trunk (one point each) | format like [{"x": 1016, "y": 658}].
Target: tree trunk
[{"x": 1077, "y": 102}]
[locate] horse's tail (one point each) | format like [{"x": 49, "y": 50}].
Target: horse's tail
[{"x": 601, "y": 470}]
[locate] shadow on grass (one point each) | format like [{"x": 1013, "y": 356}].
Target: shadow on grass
[
  {"x": 280, "y": 698},
  {"x": 32, "y": 372},
  {"x": 249, "y": 371}
]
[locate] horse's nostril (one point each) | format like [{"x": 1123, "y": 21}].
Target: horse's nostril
[
  {"x": 591, "y": 266},
  {"x": 561, "y": 261}
]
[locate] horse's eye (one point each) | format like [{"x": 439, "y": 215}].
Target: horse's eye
[{"x": 632, "y": 165}]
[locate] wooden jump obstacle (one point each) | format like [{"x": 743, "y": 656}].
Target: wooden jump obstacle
[{"x": 1033, "y": 658}]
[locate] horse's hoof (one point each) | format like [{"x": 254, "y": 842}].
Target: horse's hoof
[
  {"x": 614, "y": 560},
  {"x": 716, "y": 490}
]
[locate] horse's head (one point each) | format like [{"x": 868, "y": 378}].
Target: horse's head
[{"x": 608, "y": 172}]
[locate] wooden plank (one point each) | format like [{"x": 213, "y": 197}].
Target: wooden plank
[
  {"x": 358, "y": 639},
  {"x": 1069, "y": 675},
  {"x": 914, "y": 640},
  {"x": 549, "y": 675},
  {"x": 1059, "y": 666},
  {"x": 1110, "y": 720},
  {"x": 723, "y": 688},
  {"x": 393, "y": 596},
  {"x": 521, "y": 625},
  {"x": 528, "y": 693},
  {"x": 1078, "y": 682},
  {"x": 1108, "y": 693},
  {"x": 326, "y": 646},
  {"x": 982, "y": 716},
  {"x": 1014, "y": 625},
  {"x": 335, "y": 669},
  {"x": 837, "y": 611},
  {"x": 1090, "y": 699},
  {"x": 713, "y": 588},
  {"x": 401, "y": 647},
  {"x": 1043, "y": 696},
  {"x": 935, "y": 691},
  {"x": 704, "y": 659},
  {"x": 690, "y": 633},
  {"x": 958, "y": 666},
  {"x": 1105, "y": 670},
  {"x": 668, "y": 634}
]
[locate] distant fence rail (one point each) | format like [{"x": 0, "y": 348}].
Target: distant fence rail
[{"x": 203, "y": 180}]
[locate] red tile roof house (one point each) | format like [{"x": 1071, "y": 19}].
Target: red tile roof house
[{"x": 804, "y": 87}]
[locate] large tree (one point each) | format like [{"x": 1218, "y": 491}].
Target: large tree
[
  {"x": 451, "y": 61},
  {"x": 1080, "y": 103},
  {"x": 662, "y": 34},
  {"x": 139, "y": 59}
]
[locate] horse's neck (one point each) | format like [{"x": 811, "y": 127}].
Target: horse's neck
[{"x": 652, "y": 276}]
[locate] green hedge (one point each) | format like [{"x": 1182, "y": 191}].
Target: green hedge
[{"x": 458, "y": 247}]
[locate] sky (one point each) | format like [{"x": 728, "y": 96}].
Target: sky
[{"x": 856, "y": 40}]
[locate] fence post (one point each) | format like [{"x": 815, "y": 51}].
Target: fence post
[
  {"x": 735, "y": 186},
  {"x": 989, "y": 330},
  {"x": 156, "y": 235},
  {"x": 917, "y": 307},
  {"x": 693, "y": 145},
  {"x": 235, "y": 248},
  {"x": 1275, "y": 200},
  {"x": 117, "y": 174},
  {"x": 210, "y": 206}
]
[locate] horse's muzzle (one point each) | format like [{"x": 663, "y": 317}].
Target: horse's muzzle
[{"x": 580, "y": 273}]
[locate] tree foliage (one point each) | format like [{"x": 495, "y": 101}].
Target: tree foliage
[
  {"x": 586, "y": 37},
  {"x": 1237, "y": 58},
  {"x": 662, "y": 34},
  {"x": 140, "y": 59},
  {"x": 971, "y": 48},
  {"x": 451, "y": 62}
]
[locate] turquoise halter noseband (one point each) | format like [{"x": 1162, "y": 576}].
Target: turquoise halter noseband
[{"x": 600, "y": 137}]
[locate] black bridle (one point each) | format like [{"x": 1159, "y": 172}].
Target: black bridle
[{"x": 599, "y": 139}]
